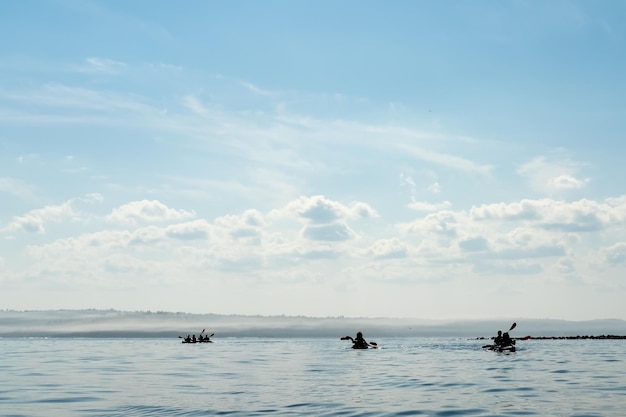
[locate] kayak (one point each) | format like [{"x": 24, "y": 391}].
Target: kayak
[
  {"x": 198, "y": 341},
  {"x": 509, "y": 348},
  {"x": 360, "y": 347}
]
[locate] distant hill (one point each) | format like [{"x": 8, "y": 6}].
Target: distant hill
[{"x": 113, "y": 323}]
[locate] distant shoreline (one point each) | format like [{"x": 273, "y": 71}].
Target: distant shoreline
[
  {"x": 124, "y": 324},
  {"x": 586, "y": 337}
]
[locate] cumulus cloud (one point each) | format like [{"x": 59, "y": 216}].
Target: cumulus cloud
[
  {"x": 188, "y": 231},
  {"x": 34, "y": 220},
  {"x": 249, "y": 225},
  {"x": 195, "y": 230},
  {"x": 150, "y": 211},
  {"x": 520, "y": 267},
  {"x": 474, "y": 244},
  {"x": 553, "y": 173},
  {"x": 522, "y": 210},
  {"x": 146, "y": 236},
  {"x": 568, "y": 182},
  {"x": 388, "y": 249},
  {"x": 321, "y": 210},
  {"x": 317, "y": 209},
  {"x": 616, "y": 254},
  {"x": 424, "y": 206},
  {"x": 443, "y": 222},
  {"x": 576, "y": 216},
  {"x": 362, "y": 210},
  {"x": 122, "y": 264},
  {"x": 325, "y": 219},
  {"x": 335, "y": 232}
]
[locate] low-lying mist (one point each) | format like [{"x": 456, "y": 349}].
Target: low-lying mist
[{"x": 145, "y": 324}]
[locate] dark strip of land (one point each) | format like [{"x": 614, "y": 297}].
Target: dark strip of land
[
  {"x": 600, "y": 337},
  {"x": 608, "y": 336}
]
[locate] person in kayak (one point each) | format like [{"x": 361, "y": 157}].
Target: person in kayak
[
  {"x": 506, "y": 340},
  {"x": 358, "y": 342},
  {"x": 188, "y": 339},
  {"x": 498, "y": 339}
]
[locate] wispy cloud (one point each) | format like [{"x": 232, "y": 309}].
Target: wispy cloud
[
  {"x": 16, "y": 187},
  {"x": 103, "y": 66},
  {"x": 446, "y": 160},
  {"x": 553, "y": 173}
]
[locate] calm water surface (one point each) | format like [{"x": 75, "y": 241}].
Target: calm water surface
[{"x": 316, "y": 377}]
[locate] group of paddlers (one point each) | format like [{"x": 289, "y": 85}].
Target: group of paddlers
[
  {"x": 200, "y": 339},
  {"x": 193, "y": 339},
  {"x": 503, "y": 342},
  {"x": 500, "y": 342},
  {"x": 503, "y": 339}
]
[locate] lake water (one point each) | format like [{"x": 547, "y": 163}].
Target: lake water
[{"x": 310, "y": 377}]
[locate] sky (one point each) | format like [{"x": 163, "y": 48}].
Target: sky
[{"x": 438, "y": 160}]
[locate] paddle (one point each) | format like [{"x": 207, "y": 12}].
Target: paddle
[{"x": 514, "y": 325}]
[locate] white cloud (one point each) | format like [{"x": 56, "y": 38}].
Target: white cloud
[
  {"x": 34, "y": 220},
  {"x": 444, "y": 222},
  {"x": 553, "y": 173},
  {"x": 446, "y": 160},
  {"x": 434, "y": 188},
  {"x": 196, "y": 230},
  {"x": 334, "y": 232},
  {"x": 147, "y": 211},
  {"x": 248, "y": 226},
  {"x": 16, "y": 187},
  {"x": 321, "y": 210},
  {"x": 257, "y": 90},
  {"x": 424, "y": 206},
  {"x": 194, "y": 104},
  {"x": 615, "y": 254},
  {"x": 569, "y": 182},
  {"x": 388, "y": 249},
  {"x": 474, "y": 244},
  {"x": 103, "y": 66},
  {"x": 581, "y": 215}
]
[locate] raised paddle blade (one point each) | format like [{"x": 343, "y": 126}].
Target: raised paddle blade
[
  {"x": 513, "y": 326},
  {"x": 346, "y": 338}
]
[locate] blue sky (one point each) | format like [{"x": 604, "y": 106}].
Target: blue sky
[{"x": 458, "y": 159}]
